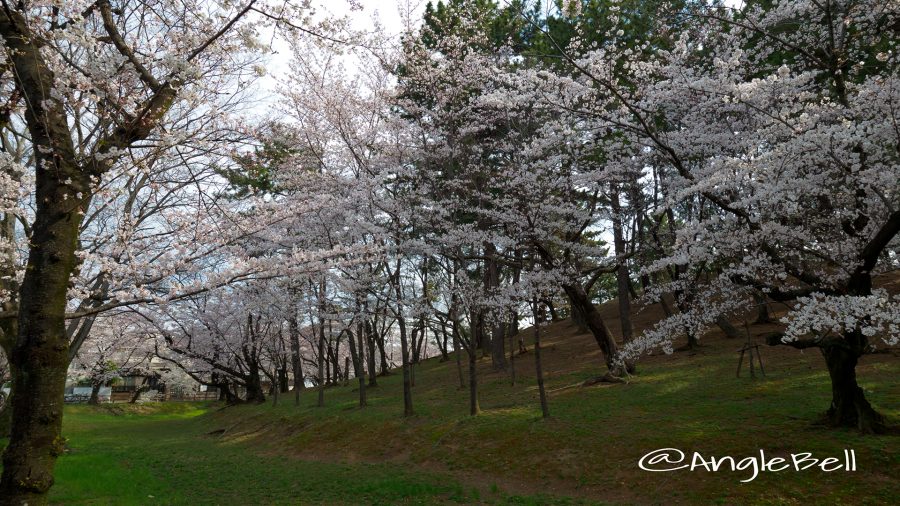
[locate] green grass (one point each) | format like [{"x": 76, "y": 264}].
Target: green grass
[
  {"x": 587, "y": 453},
  {"x": 160, "y": 454}
]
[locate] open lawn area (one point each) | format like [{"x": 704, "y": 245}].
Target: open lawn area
[{"x": 586, "y": 453}]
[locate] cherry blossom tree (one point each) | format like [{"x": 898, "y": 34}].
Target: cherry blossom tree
[
  {"x": 114, "y": 350},
  {"x": 94, "y": 84},
  {"x": 789, "y": 139}
]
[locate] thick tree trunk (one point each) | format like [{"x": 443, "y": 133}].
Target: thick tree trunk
[
  {"x": 498, "y": 347},
  {"x": 5, "y": 415},
  {"x": 582, "y": 304},
  {"x": 227, "y": 395},
  {"x": 40, "y": 354},
  {"x": 727, "y": 327},
  {"x": 849, "y": 407},
  {"x": 255, "y": 392},
  {"x": 497, "y": 330},
  {"x": 479, "y": 334},
  {"x": 95, "y": 394},
  {"x": 578, "y": 318},
  {"x": 282, "y": 380},
  {"x": 762, "y": 307}
]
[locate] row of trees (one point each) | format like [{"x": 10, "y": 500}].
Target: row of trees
[{"x": 502, "y": 163}]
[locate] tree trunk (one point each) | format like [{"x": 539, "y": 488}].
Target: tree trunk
[
  {"x": 498, "y": 347},
  {"x": 379, "y": 341},
  {"x": 94, "y": 400},
  {"x": 479, "y": 335},
  {"x": 5, "y": 415},
  {"x": 623, "y": 283},
  {"x": 323, "y": 359},
  {"x": 762, "y": 308},
  {"x": 138, "y": 391},
  {"x": 40, "y": 355},
  {"x": 255, "y": 392},
  {"x": 407, "y": 374},
  {"x": 442, "y": 342},
  {"x": 356, "y": 360},
  {"x": 370, "y": 356},
  {"x": 296, "y": 362},
  {"x": 457, "y": 352},
  {"x": 582, "y": 304},
  {"x": 554, "y": 316},
  {"x": 538, "y": 369},
  {"x": 498, "y": 330},
  {"x": 578, "y": 318},
  {"x": 226, "y": 394},
  {"x": 321, "y": 363},
  {"x": 282, "y": 379},
  {"x": 849, "y": 407},
  {"x": 361, "y": 368},
  {"x": 512, "y": 358},
  {"x": 692, "y": 342},
  {"x": 474, "y": 408},
  {"x": 727, "y": 327}
]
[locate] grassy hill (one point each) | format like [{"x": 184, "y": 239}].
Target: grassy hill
[{"x": 587, "y": 453}]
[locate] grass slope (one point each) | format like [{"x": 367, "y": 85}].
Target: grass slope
[{"x": 586, "y": 453}]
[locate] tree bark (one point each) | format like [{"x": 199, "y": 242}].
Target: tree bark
[
  {"x": 538, "y": 368},
  {"x": 512, "y": 358},
  {"x": 255, "y": 392},
  {"x": 379, "y": 342},
  {"x": 321, "y": 344},
  {"x": 361, "y": 373},
  {"x": 407, "y": 374},
  {"x": 554, "y": 316},
  {"x": 370, "y": 356},
  {"x": 498, "y": 347},
  {"x": 727, "y": 327},
  {"x": 474, "y": 408},
  {"x": 849, "y": 406},
  {"x": 358, "y": 363},
  {"x": 296, "y": 362},
  {"x": 404, "y": 345},
  {"x": 95, "y": 394},
  {"x": 457, "y": 351},
  {"x": 623, "y": 283},
  {"x": 442, "y": 341},
  {"x": 762, "y": 308},
  {"x": 40, "y": 354},
  {"x": 498, "y": 330},
  {"x": 582, "y": 304}
]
